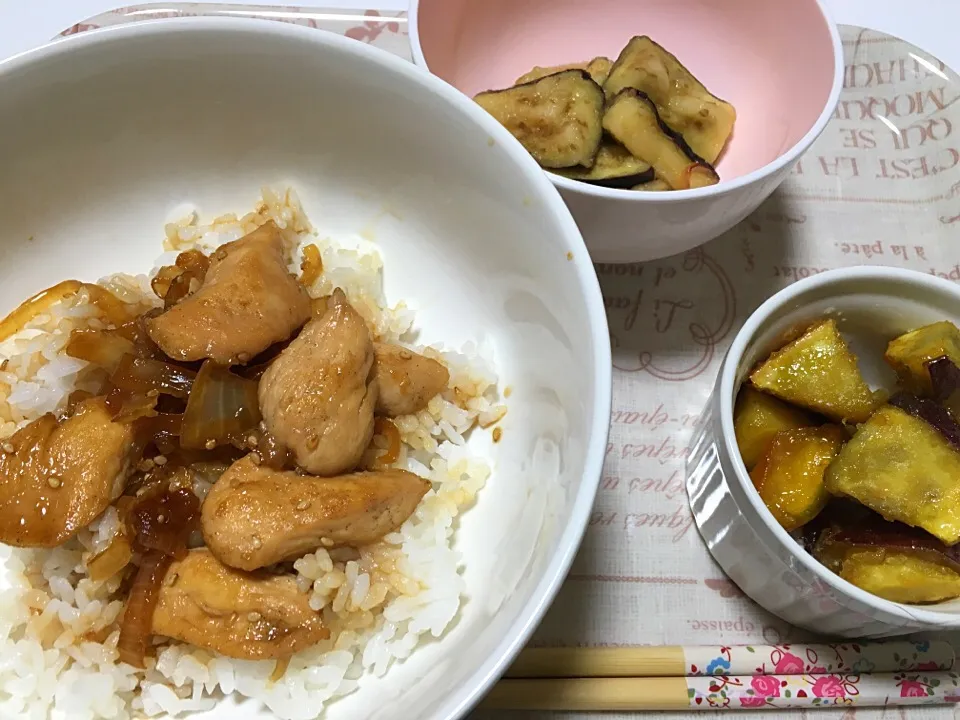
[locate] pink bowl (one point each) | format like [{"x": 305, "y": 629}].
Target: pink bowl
[{"x": 779, "y": 63}]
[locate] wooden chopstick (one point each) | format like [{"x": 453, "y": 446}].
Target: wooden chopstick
[
  {"x": 703, "y": 661},
  {"x": 693, "y": 694},
  {"x": 602, "y": 662},
  {"x": 589, "y": 694},
  {"x": 629, "y": 679}
]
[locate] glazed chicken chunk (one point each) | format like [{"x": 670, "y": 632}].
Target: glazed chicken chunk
[
  {"x": 57, "y": 477},
  {"x": 247, "y": 302},
  {"x": 250, "y": 616},
  {"x": 254, "y": 516},
  {"x": 317, "y": 398},
  {"x": 407, "y": 380}
]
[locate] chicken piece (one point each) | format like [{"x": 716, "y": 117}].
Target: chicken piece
[
  {"x": 249, "y": 616},
  {"x": 255, "y": 516},
  {"x": 407, "y": 380},
  {"x": 317, "y": 398},
  {"x": 248, "y": 302},
  {"x": 57, "y": 477}
]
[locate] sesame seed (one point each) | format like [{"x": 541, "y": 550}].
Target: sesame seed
[
  {"x": 257, "y": 542},
  {"x": 8, "y": 447},
  {"x": 252, "y": 440},
  {"x": 210, "y": 444},
  {"x": 254, "y": 616},
  {"x": 243, "y": 357},
  {"x": 152, "y": 393},
  {"x": 161, "y": 518},
  {"x": 303, "y": 505},
  {"x": 160, "y": 460},
  {"x": 53, "y": 481},
  {"x": 255, "y": 458},
  {"x": 326, "y": 542}
]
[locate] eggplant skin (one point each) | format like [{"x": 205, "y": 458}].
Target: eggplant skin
[
  {"x": 614, "y": 167},
  {"x": 705, "y": 121},
  {"x": 557, "y": 118},
  {"x": 632, "y": 118}
]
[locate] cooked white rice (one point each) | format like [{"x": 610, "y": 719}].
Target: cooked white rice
[{"x": 58, "y": 628}]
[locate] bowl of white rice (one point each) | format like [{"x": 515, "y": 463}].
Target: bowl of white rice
[{"x": 126, "y": 146}]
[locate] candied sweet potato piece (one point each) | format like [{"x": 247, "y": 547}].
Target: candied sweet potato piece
[
  {"x": 909, "y": 354},
  {"x": 901, "y": 467},
  {"x": 757, "y": 417},
  {"x": 893, "y": 563},
  {"x": 789, "y": 477},
  {"x": 817, "y": 371}
]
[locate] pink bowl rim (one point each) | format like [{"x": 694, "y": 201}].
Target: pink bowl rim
[
  {"x": 770, "y": 530},
  {"x": 784, "y": 160}
]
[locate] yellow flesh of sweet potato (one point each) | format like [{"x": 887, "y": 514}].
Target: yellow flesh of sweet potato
[
  {"x": 901, "y": 467},
  {"x": 757, "y": 417},
  {"x": 900, "y": 575},
  {"x": 817, "y": 371},
  {"x": 909, "y": 353},
  {"x": 789, "y": 477}
]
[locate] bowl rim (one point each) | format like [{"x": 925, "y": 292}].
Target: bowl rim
[
  {"x": 563, "y": 550},
  {"x": 770, "y": 531},
  {"x": 784, "y": 160}
]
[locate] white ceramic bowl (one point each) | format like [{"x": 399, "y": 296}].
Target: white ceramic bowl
[
  {"x": 102, "y": 135},
  {"x": 746, "y": 51},
  {"x": 872, "y": 305}
]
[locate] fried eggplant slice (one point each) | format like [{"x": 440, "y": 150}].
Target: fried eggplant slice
[
  {"x": 909, "y": 354},
  {"x": 614, "y": 167},
  {"x": 758, "y": 417},
  {"x": 902, "y": 468},
  {"x": 704, "y": 120},
  {"x": 557, "y": 118},
  {"x": 632, "y": 119},
  {"x": 891, "y": 561},
  {"x": 789, "y": 476},
  {"x": 655, "y": 185},
  {"x": 817, "y": 371},
  {"x": 598, "y": 68}
]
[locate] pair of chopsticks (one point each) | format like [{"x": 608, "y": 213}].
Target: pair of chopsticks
[{"x": 738, "y": 677}]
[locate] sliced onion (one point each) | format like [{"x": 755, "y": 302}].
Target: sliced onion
[
  {"x": 221, "y": 409},
  {"x": 385, "y": 428},
  {"x": 135, "y": 630},
  {"x": 113, "y": 308},
  {"x": 162, "y": 520},
  {"x": 174, "y": 282},
  {"x": 126, "y": 407},
  {"x": 311, "y": 266},
  {"x": 273, "y": 454},
  {"x": 110, "y": 561},
  {"x": 161, "y": 429},
  {"x": 254, "y": 369},
  {"x": 104, "y": 348},
  {"x": 141, "y": 375}
]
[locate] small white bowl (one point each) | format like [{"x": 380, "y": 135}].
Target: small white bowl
[
  {"x": 872, "y": 305},
  {"x": 104, "y": 134}
]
